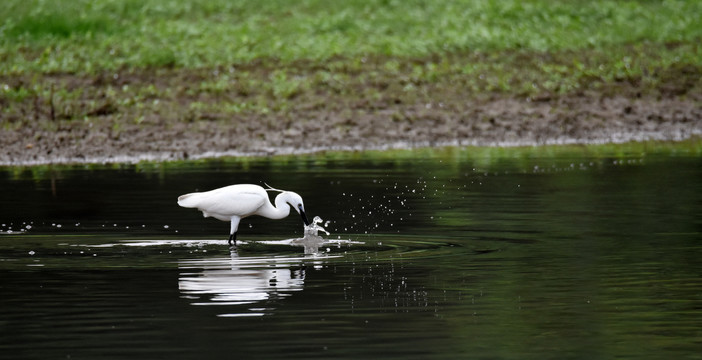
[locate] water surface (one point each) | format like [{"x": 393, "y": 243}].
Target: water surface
[{"x": 557, "y": 252}]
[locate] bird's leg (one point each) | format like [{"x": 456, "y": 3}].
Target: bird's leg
[{"x": 234, "y": 228}]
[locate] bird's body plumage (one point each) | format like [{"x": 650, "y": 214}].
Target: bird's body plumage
[
  {"x": 241, "y": 200},
  {"x": 235, "y": 202}
]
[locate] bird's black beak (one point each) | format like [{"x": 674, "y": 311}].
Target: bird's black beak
[{"x": 304, "y": 217}]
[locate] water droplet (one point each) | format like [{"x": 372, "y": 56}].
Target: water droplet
[{"x": 31, "y": 252}]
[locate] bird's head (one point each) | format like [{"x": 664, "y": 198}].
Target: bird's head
[
  {"x": 295, "y": 200},
  {"x": 292, "y": 199}
]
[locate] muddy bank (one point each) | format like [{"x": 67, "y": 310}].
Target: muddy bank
[
  {"x": 163, "y": 114},
  {"x": 491, "y": 122}
]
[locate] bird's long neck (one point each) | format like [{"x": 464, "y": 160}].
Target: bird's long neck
[{"x": 279, "y": 211}]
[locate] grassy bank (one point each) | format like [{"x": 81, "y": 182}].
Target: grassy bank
[
  {"x": 285, "y": 48},
  {"x": 73, "y": 68},
  {"x": 86, "y": 36}
]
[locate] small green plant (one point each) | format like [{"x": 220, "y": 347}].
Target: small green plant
[{"x": 284, "y": 86}]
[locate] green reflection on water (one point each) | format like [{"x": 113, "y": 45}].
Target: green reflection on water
[{"x": 483, "y": 158}]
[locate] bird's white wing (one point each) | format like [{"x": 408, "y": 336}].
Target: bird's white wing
[{"x": 225, "y": 202}]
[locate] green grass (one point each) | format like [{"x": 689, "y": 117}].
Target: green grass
[
  {"x": 156, "y": 61},
  {"x": 82, "y": 36}
]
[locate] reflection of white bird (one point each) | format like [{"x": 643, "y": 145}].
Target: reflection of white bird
[
  {"x": 240, "y": 280},
  {"x": 234, "y": 202}
]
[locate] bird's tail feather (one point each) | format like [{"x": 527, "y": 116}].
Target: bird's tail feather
[{"x": 188, "y": 200}]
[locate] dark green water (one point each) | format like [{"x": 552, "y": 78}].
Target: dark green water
[{"x": 558, "y": 252}]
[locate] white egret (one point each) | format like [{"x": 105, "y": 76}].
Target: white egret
[{"x": 235, "y": 202}]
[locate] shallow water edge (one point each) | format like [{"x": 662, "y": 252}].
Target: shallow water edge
[{"x": 624, "y": 141}]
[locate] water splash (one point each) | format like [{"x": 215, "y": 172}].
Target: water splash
[
  {"x": 314, "y": 228},
  {"x": 311, "y": 241}
]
